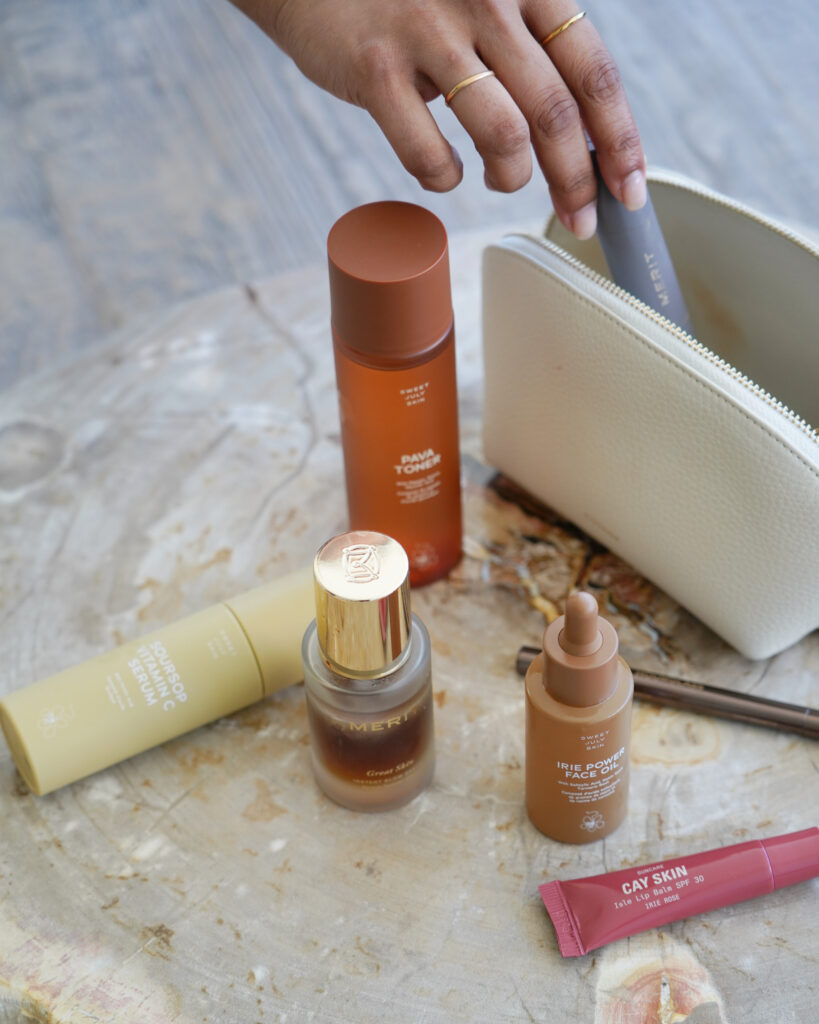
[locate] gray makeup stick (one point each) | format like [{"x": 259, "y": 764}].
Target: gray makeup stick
[{"x": 637, "y": 255}]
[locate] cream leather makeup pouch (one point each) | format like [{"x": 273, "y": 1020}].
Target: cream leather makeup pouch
[{"x": 692, "y": 458}]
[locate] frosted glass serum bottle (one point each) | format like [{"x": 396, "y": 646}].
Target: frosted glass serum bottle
[{"x": 367, "y": 676}]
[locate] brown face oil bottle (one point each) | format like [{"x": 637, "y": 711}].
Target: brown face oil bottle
[
  {"x": 578, "y": 727},
  {"x": 367, "y": 676},
  {"x": 394, "y": 346}
]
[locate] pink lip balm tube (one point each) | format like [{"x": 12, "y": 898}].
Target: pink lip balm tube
[{"x": 590, "y": 912}]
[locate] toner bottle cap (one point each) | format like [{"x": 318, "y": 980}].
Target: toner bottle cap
[
  {"x": 389, "y": 281},
  {"x": 580, "y": 654}
]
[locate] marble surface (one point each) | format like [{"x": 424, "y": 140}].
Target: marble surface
[{"x": 190, "y": 458}]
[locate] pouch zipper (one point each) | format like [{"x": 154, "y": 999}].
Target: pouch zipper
[{"x": 697, "y": 346}]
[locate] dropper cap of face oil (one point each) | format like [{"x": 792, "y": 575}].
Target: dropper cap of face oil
[{"x": 580, "y": 654}]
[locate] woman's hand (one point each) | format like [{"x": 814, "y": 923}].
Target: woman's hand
[{"x": 392, "y": 57}]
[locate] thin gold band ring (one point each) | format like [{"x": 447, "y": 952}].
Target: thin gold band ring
[
  {"x": 464, "y": 83},
  {"x": 562, "y": 28}
]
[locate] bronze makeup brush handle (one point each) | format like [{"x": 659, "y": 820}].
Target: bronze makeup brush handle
[{"x": 710, "y": 700}]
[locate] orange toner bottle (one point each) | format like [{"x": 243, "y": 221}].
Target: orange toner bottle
[{"x": 394, "y": 345}]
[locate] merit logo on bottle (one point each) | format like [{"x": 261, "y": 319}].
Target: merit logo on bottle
[{"x": 361, "y": 564}]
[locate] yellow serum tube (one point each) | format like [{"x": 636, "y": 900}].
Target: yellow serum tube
[{"x": 166, "y": 683}]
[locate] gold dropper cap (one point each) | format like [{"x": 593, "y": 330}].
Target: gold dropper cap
[{"x": 363, "y": 619}]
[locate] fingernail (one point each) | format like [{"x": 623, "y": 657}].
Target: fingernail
[
  {"x": 634, "y": 191},
  {"x": 564, "y": 218},
  {"x": 584, "y": 222}
]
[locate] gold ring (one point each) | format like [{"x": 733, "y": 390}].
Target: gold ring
[
  {"x": 562, "y": 28},
  {"x": 466, "y": 81}
]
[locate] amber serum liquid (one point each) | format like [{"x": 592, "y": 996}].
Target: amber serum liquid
[{"x": 367, "y": 677}]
